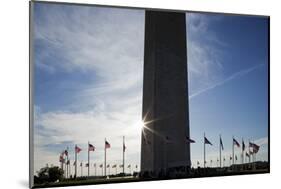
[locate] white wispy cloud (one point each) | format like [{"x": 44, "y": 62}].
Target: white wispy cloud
[
  {"x": 108, "y": 44},
  {"x": 204, "y": 52}
]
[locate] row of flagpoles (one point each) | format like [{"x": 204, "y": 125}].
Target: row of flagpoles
[
  {"x": 64, "y": 158},
  {"x": 252, "y": 150},
  {"x": 67, "y": 168}
]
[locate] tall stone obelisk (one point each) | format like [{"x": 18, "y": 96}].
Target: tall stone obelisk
[{"x": 165, "y": 94}]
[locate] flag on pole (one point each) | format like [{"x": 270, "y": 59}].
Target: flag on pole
[
  {"x": 247, "y": 154},
  {"x": 66, "y": 152},
  {"x": 230, "y": 158},
  {"x": 206, "y": 141},
  {"x": 74, "y": 163},
  {"x": 243, "y": 145},
  {"x": 124, "y": 147},
  {"x": 235, "y": 142},
  {"x": 61, "y": 159},
  {"x": 114, "y": 166},
  {"x": 101, "y": 165},
  {"x": 107, "y": 166},
  {"x": 254, "y": 146},
  {"x": 91, "y": 147},
  {"x": 87, "y": 165},
  {"x": 81, "y": 164},
  {"x": 190, "y": 140},
  {"x": 221, "y": 143},
  {"x": 77, "y": 149},
  {"x": 236, "y": 157},
  {"x": 129, "y": 166},
  {"x": 256, "y": 149},
  {"x": 107, "y": 145},
  {"x": 120, "y": 166}
]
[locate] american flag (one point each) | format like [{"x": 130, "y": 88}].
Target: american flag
[
  {"x": 235, "y": 142},
  {"x": 189, "y": 140},
  {"x": 221, "y": 143},
  {"x": 91, "y": 147},
  {"x": 206, "y": 141},
  {"x": 124, "y": 147},
  {"x": 255, "y": 147},
  {"x": 61, "y": 159},
  {"x": 107, "y": 145},
  {"x": 77, "y": 149}
]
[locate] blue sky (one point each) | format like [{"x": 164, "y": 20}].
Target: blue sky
[{"x": 88, "y": 68}]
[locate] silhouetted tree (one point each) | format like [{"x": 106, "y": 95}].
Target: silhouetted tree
[{"x": 48, "y": 174}]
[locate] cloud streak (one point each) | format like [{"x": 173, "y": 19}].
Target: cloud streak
[{"x": 228, "y": 79}]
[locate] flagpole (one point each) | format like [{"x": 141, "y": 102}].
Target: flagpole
[
  {"x": 75, "y": 161},
  {"x": 104, "y": 157},
  {"x": 242, "y": 156},
  {"x": 67, "y": 167},
  {"x": 204, "y": 151},
  {"x": 249, "y": 161},
  {"x": 88, "y": 160},
  {"x": 233, "y": 150},
  {"x": 65, "y": 174},
  {"x": 123, "y": 155},
  {"x": 220, "y": 150},
  {"x": 81, "y": 169}
]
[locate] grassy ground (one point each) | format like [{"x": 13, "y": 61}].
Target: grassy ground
[
  {"x": 135, "y": 179},
  {"x": 89, "y": 181}
]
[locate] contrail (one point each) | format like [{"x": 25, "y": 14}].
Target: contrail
[{"x": 233, "y": 76}]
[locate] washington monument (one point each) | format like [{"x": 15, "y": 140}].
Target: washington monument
[{"x": 165, "y": 113}]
